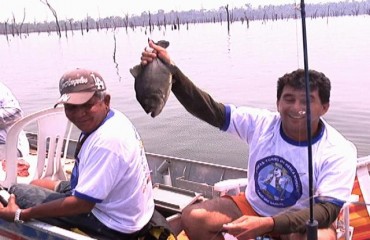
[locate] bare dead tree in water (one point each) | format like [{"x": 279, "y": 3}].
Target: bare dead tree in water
[
  {"x": 232, "y": 17},
  {"x": 114, "y": 45},
  {"x": 49, "y": 30},
  {"x": 158, "y": 24},
  {"x": 164, "y": 22},
  {"x": 314, "y": 15},
  {"x": 21, "y": 25},
  {"x": 87, "y": 23},
  {"x": 178, "y": 22},
  {"x": 228, "y": 17},
  {"x": 125, "y": 22},
  {"x": 71, "y": 25},
  {"x": 265, "y": 16},
  {"x": 14, "y": 27},
  {"x": 82, "y": 29},
  {"x": 246, "y": 18},
  {"x": 65, "y": 29},
  {"x": 54, "y": 14},
  {"x": 114, "y": 53},
  {"x": 6, "y": 30},
  {"x": 150, "y": 23}
]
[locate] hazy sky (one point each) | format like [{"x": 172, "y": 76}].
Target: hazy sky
[{"x": 79, "y": 9}]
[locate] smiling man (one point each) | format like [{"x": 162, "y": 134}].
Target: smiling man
[
  {"x": 110, "y": 194},
  {"x": 276, "y": 201}
]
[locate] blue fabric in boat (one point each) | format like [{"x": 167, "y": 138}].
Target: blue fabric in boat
[{"x": 30, "y": 195}]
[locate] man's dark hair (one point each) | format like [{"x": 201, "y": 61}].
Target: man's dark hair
[{"x": 318, "y": 81}]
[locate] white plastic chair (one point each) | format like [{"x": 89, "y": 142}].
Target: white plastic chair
[
  {"x": 230, "y": 186},
  {"x": 53, "y": 128},
  {"x": 346, "y": 232},
  {"x": 363, "y": 177}
]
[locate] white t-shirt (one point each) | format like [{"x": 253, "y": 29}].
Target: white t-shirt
[
  {"x": 278, "y": 166},
  {"x": 113, "y": 172},
  {"x": 10, "y": 112}
]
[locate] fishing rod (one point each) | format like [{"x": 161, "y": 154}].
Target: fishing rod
[{"x": 311, "y": 225}]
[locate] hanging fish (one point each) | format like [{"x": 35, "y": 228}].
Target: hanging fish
[{"x": 153, "y": 83}]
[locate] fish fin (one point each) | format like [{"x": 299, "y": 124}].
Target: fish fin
[
  {"x": 163, "y": 43},
  {"x": 136, "y": 70}
]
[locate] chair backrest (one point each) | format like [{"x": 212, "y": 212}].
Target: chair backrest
[
  {"x": 53, "y": 128},
  {"x": 363, "y": 176}
]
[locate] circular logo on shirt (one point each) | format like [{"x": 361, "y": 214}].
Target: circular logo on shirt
[{"x": 277, "y": 182}]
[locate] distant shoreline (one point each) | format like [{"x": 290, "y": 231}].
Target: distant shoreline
[{"x": 175, "y": 20}]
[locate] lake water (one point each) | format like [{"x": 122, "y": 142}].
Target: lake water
[{"x": 241, "y": 67}]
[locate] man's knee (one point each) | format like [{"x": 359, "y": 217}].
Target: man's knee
[
  {"x": 45, "y": 183},
  {"x": 327, "y": 233},
  {"x": 191, "y": 215}
]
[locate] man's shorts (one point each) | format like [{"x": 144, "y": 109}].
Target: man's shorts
[
  {"x": 242, "y": 204},
  {"x": 64, "y": 187},
  {"x": 247, "y": 209},
  {"x": 28, "y": 195}
]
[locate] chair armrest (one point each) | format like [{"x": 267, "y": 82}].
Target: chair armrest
[{"x": 234, "y": 185}]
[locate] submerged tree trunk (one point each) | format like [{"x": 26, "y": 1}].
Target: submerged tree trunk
[
  {"x": 228, "y": 17},
  {"x": 54, "y": 14}
]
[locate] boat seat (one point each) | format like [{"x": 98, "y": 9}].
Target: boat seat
[
  {"x": 355, "y": 216},
  {"x": 53, "y": 133}
]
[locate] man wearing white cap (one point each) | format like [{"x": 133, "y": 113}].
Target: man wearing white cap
[{"x": 110, "y": 191}]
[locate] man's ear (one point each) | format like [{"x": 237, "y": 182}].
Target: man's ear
[
  {"x": 325, "y": 108},
  {"x": 107, "y": 100}
]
